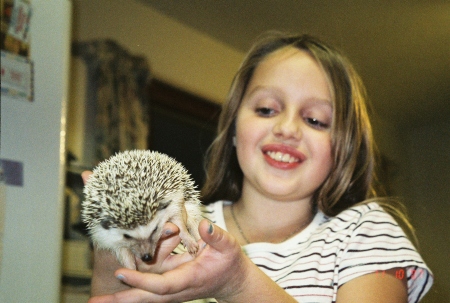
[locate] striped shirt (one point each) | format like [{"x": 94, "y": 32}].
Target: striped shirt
[{"x": 331, "y": 251}]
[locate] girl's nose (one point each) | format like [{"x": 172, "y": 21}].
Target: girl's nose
[{"x": 287, "y": 127}]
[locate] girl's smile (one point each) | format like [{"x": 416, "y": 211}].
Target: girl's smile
[
  {"x": 282, "y": 156},
  {"x": 283, "y": 127}
]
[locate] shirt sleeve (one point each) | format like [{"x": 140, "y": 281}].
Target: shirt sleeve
[{"x": 375, "y": 244}]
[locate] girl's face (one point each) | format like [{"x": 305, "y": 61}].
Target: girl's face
[{"x": 283, "y": 127}]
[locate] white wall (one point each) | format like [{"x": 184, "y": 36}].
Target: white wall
[{"x": 34, "y": 133}]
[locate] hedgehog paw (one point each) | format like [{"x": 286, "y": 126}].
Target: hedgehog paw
[
  {"x": 191, "y": 245},
  {"x": 193, "y": 249}
]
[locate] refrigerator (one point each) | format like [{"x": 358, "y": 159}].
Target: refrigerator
[{"x": 33, "y": 150}]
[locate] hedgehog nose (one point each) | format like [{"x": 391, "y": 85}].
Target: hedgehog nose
[{"x": 146, "y": 257}]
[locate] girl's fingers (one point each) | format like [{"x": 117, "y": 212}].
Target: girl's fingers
[
  {"x": 168, "y": 242},
  {"x": 216, "y": 237},
  {"x": 181, "y": 277},
  {"x": 170, "y": 283},
  {"x": 85, "y": 175},
  {"x": 129, "y": 296},
  {"x": 169, "y": 230}
]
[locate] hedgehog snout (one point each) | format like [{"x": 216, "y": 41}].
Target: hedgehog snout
[
  {"x": 145, "y": 249},
  {"x": 146, "y": 257}
]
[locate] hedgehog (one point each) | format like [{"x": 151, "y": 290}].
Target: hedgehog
[{"x": 130, "y": 196}]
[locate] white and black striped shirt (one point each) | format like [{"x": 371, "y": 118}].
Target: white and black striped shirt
[{"x": 331, "y": 251}]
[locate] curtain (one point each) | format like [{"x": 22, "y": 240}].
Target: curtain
[{"x": 116, "y": 90}]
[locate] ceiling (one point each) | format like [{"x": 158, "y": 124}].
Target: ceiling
[{"x": 400, "y": 47}]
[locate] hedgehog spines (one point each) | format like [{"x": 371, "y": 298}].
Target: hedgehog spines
[{"x": 127, "y": 188}]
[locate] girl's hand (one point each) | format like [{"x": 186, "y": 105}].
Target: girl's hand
[
  {"x": 219, "y": 271},
  {"x": 105, "y": 263}
]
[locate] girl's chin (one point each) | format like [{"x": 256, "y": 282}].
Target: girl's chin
[{"x": 281, "y": 194}]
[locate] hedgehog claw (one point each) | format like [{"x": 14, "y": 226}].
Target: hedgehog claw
[
  {"x": 193, "y": 249},
  {"x": 191, "y": 246}
]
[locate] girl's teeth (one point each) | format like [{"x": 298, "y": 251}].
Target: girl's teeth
[
  {"x": 278, "y": 156},
  {"x": 286, "y": 158}
]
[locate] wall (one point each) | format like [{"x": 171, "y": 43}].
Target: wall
[
  {"x": 177, "y": 54},
  {"x": 420, "y": 159},
  {"x": 426, "y": 191},
  {"x": 34, "y": 133}
]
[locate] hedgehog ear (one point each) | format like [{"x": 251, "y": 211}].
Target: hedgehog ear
[{"x": 106, "y": 223}]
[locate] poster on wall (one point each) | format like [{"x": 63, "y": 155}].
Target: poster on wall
[{"x": 16, "y": 64}]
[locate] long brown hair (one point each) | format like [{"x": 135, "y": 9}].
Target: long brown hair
[{"x": 351, "y": 179}]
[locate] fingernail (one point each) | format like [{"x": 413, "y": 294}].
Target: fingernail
[
  {"x": 120, "y": 277},
  {"x": 168, "y": 232},
  {"x": 210, "y": 229}
]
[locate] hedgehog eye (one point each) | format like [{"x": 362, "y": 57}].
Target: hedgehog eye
[{"x": 127, "y": 236}]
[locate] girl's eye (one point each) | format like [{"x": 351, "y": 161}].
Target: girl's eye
[
  {"x": 127, "y": 236},
  {"x": 265, "y": 111},
  {"x": 315, "y": 123}
]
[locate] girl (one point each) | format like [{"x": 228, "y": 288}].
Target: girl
[{"x": 290, "y": 198}]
